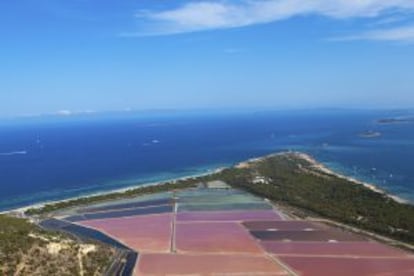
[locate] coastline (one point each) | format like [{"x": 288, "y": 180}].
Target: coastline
[
  {"x": 317, "y": 165},
  {"x": 22, "y": 210},
  {"x": 323, "y": 168}
]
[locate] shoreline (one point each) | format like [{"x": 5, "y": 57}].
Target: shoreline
[
  {"x": 301, "y": 155},
  {"x": 22, "y": 210},
  {"x": 323, "y": 168}
]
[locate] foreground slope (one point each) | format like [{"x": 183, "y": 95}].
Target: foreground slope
[{"x": 25, "y": 249}]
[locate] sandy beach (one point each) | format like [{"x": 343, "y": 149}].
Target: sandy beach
[
  {"x": 321, "y": 167},
  {"x": 39, "y": 205},
  {"x": 300, "y": 155},
  {"x": 324, "y": 169}
]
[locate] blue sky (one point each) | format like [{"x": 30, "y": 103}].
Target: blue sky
[{"x": 64, "y": 57}]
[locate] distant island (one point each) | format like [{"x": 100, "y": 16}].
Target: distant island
[
  {"x": 395, "y": 120},
  {"x": 370, "y": 134}
]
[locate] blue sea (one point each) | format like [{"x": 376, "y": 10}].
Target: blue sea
[{"x": 56, "y": 157}]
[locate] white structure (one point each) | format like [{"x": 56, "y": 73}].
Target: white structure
[{"x": 260, "y": 180}]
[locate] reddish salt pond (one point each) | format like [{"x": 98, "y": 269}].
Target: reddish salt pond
[
  {"x": 238, "y": 242},
  {"x": 320, "y": 266},
  {"x": 335, "y": 248},
  {"x": 175, "y": 264},
  {"x": 229, "y": 216},
  {"x": 142, "y": 233},
  {"x": 314, "y": 235},
  {"x": 284, "y": 225},
  {"x": 214, "y": 237}
]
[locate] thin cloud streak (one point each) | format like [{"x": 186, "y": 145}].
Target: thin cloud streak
[
  {"x": 213, "y": 15},
  {"x": 397, "y": 34}
]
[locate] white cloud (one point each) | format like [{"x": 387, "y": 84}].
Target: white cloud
[
  {"x": 64, "y": 112},
  {"x": 398, "y": 34},
  {"x": 208, "y": 15}
]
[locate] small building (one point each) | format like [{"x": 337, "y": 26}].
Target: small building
[{"x": 260, "y": 180}]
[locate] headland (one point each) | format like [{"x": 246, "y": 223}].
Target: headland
[{"x": 282, "y": 201}]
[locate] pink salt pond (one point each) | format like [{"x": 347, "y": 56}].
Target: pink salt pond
[
  {"x": 142, "y": 233},
  {"x": 229, "y": 216},
  {"x": 284, "y": 225},
  {"x": 176, "y": 264},
  {"x": 321, "y": 266},
  {"x": 332, "y": 249},
  {"x": 214, "y": 237}
]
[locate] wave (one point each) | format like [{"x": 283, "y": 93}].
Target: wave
[{"x": 11, "y": 153}]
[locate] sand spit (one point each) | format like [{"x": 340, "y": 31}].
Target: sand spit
[{"x": 317, "y": 166}]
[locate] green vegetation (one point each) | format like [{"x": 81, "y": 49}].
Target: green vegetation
[
  {"x": 168, "y": 186},
  {"x": 14, "y": 237},
  {"x": 25, "y": 249},
  {"x": 296, "y": 182}
]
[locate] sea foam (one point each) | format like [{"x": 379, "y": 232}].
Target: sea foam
[{"x": 11, "y": 153}]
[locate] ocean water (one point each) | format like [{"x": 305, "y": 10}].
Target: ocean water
[{"x": 52, "y": 158}]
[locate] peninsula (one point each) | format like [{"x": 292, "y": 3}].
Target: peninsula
[{"x": 281, "y": 200}]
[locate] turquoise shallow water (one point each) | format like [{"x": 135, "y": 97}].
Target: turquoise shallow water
[{"x": 54, "y": 158}]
